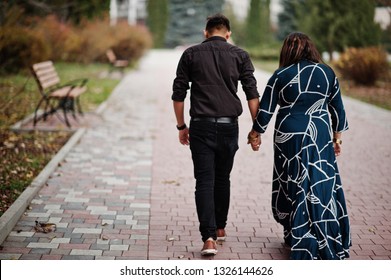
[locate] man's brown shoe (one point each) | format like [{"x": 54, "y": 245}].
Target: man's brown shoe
[
  {"x": 209, "y": 247},
  {"x": 221, "y": 234}
]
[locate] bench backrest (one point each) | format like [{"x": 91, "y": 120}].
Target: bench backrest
[
  {"x": 45, "y": 74},
  {"x": 111, "y": 56}
]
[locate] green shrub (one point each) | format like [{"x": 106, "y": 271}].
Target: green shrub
[
  {"x": 363, "y": 65},
  {"x": 265, "y": 53},
  {"x": 20, "y": 48}
]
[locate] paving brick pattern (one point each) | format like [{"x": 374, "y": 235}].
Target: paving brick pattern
[{"x": 126, "y": 190}]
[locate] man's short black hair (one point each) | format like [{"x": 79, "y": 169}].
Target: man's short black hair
[{"x": 217, "y": 21}]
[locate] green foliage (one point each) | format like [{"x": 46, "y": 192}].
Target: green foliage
[
  {"x": 258, "y": 28},
  {"x": 266, "y": 65},
  {"x": 238, "y": 34},
  {"x": 157, "y": 21},
  {"x": 266, "y": 52},
  {"x": 74, "y": 10},
  {"x": 335, "y": 25},
  {"x": 363, "y": 65},
  {"x": 265, "y": 29},
  {"x": 253, "y": 24},
  {"x": 288, "y": 18}
]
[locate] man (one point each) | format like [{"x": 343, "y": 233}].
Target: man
[{"x": 213, "y": 68}]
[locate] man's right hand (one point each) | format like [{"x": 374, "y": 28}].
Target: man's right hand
[{"x": 184, "y": 136}]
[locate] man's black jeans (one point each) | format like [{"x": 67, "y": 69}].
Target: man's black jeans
[{"x": 213, "y": 147}]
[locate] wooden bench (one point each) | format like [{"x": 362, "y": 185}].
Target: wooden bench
[
  {"x": 54, "y": 95},
  {"x": 115, "y": 63}
]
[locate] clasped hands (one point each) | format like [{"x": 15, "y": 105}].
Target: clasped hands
[{"x": 254, "y": 139}]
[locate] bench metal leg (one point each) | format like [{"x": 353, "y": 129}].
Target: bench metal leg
[
  {"x": 43, "y": 99},
  {"x": 79, "y": 107}
]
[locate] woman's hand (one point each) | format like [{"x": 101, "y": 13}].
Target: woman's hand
[
  {"x": 337, "y": 149},
  {"x": 254, "y": 139},
  {"x": 337, "y": 142}
]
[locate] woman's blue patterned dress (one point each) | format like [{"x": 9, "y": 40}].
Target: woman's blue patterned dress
[{"x": 307, "y": 195}]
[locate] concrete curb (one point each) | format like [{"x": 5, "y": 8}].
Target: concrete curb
[
  {"x": 9, "y": 219},
  {"x": 18, "y": 126}
]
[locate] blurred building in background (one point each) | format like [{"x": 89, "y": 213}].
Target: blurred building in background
[
  {"x": 132, "y": 11},
  {"x": 383, "y": 16},
  {"x": 240, "y": 9}
]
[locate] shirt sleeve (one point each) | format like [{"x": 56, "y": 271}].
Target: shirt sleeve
[
  {"x": 336, "y": 109},
  {"x": 247, "y": 79},
  {"x": 267, "y": 105},
  {"x": 182, "y": 79}
]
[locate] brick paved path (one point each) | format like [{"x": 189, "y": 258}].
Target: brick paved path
[{"x": 126, "y": 190}]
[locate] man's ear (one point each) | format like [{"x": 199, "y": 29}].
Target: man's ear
[
  {"x": 206, "y": 34},
  {"x": 228, "y": 35}
]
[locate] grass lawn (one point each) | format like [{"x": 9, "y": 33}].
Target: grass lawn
[
  {"x": 24, "y": 155},
  {"x": 266, "y": 65}
]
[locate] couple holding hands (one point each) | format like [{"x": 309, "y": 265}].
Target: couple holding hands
[{"x": 307, "y": 195}]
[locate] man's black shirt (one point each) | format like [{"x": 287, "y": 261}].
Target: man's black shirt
[{"x": 214, "y": 68}]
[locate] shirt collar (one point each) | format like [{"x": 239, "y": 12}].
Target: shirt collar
[{"x": 215, "y": 38}]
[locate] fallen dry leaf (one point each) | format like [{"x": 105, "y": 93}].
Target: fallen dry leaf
[
  {"x": 44, "y": 227},
  {"x": 171, "y": 182}
]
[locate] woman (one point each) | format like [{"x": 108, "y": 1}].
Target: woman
[{"x": 307, "y": 196}]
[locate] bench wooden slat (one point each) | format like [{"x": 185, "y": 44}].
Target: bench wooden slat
[
  {"x": 46, "y": 74},
  {"x": 45, "y": 71},
  {"x": 110, "y": 55},
  {"x": 41, "y": 65},
  {"x": 114, "y": 61},
  {"x": 45, "y": 84},
  {"x": 66, "y": 91}
]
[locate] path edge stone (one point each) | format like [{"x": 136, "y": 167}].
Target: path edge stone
[{"x": 9, "y": 219}]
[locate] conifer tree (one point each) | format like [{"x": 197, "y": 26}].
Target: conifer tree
[
  {"x": 258, "y": 28},
  {"x": 187, "y": 20},
  {"x": 253, "y": 24},
  {"x": 287, "y": 18},
  {"x": 157, "y": 21}
]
